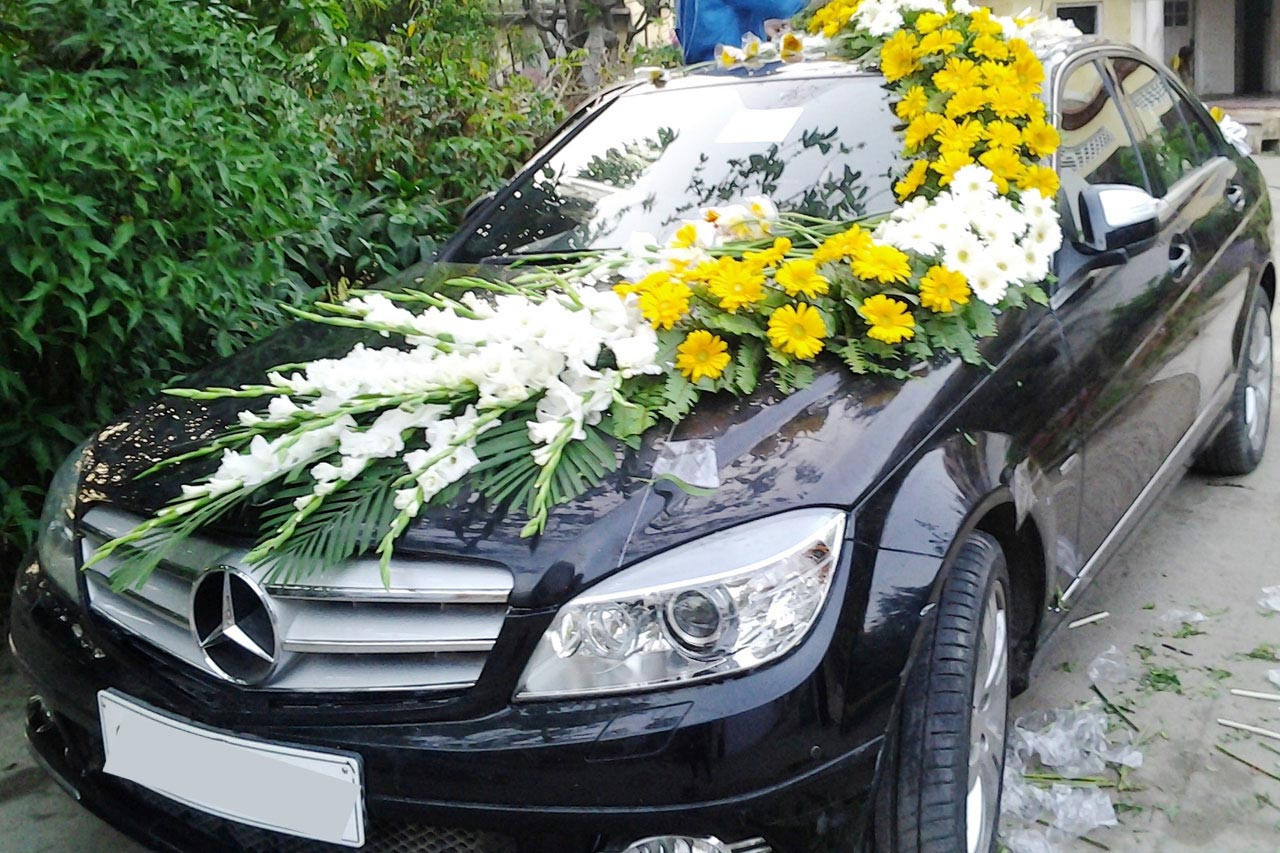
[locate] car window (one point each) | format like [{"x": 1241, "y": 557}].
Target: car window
[
  {"x": 1096, "y": 145},
  {"x": 1167, "y": 145},
  {"x": 821, "y": 146}
]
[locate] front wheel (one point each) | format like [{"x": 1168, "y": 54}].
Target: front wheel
[
  {"x": 941, "y": 791},
  {"x": 1238, "y": 448}
]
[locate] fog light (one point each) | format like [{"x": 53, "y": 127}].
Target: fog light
[{"x": 678, "y": 844}]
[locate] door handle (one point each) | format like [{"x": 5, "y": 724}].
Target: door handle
[
  {"x": 1236, "y": 197},
  {"x": 1179, "y": 259}
]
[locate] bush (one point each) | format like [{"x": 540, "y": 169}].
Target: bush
[
  {"x": 418, "y": 122},
  {"x": 171, "y": 171},
  {"x": 162, "y": 188}
]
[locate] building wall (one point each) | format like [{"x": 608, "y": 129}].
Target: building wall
[{"x": 1217, "y": 64}]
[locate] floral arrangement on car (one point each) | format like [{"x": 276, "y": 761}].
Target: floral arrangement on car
[{"x": 516, "y": 388}]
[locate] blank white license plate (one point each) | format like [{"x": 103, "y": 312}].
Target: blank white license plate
[{"x": 302, "y": 792}]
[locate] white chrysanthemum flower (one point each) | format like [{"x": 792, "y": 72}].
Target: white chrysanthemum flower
[
  {"x": 912, "y": 208},
  {"x": 878, "y": 19},
  {"x": 1007, "y": 257},
  {"x": 972, "y": 182},
  {"x": 987, "y": 281},
  {"x": 1038, "y": 262},
  {"x": 910, "y": 235},
  {"x": 997, "y": 219},
  {"x": 1036, "y": 205},
  {"x": 962, "y": 252}
]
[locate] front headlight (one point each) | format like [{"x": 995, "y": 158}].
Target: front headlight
[
  {"x": 56, "y": 542},
  {"x": 722, "y": 604}
]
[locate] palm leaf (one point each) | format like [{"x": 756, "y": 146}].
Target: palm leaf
[{"x": 349, "y": 522}]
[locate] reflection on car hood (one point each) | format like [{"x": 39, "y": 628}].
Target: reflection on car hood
[{"x": 824, "y": 445}]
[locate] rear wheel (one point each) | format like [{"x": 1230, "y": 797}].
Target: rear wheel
[
  {"x": 943, "y": 790},
  {"x": 1238, "y": 448}
]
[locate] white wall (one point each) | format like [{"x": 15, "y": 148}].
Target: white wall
[
  {"x": 1215, "y": 62},
  {"x": 1146, "y": 26}
]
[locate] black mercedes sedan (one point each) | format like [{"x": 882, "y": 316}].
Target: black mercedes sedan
[{"x": 952, "y": 516}]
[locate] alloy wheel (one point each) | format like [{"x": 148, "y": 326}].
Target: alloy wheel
[
  {"x": 1259, "y": 369},
  {"x": 988, "y": 722}
]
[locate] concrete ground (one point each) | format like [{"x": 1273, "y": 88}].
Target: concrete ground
[{"x": 1210, "y": 547}]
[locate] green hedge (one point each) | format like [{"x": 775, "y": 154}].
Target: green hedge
[{"x": 171, "y": 171}]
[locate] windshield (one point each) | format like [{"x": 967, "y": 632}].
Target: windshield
[{"x": 821, "y": 146}]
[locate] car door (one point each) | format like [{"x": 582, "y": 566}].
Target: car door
[
  {"x": 1205, "y": 198},
  {"x": 1138, "y": 391}
]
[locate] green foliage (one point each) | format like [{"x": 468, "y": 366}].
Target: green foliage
[
  {"x": 161, "y": 189},
  {"x": 421, "y": 127},
  {"x": 171, "y": 172}
]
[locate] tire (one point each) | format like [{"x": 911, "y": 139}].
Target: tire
[
  {"x": 955, "y": 702},
  {"x": 1238, "y": 448}
]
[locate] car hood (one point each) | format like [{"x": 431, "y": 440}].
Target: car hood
[{"x": 825, "y": 445}]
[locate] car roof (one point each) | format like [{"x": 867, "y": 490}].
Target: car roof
[{"x": 712, "y": 74}]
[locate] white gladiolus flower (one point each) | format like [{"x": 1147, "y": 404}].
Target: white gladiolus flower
[{"x": 281, "y": 409}]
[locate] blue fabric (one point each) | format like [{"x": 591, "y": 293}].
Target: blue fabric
[{"x": 703, "y": 24}]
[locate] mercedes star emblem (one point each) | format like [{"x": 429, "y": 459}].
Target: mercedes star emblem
[{"x": 234, "y": 625}]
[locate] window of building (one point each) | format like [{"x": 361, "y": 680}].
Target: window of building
[
  {"x": 1177, "y": 13},
  {"x": 1083, "y": 15}
]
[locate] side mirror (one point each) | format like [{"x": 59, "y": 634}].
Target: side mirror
[
  {"x": 476, "y": 205},
  {"x": 1116, "y": 216}
]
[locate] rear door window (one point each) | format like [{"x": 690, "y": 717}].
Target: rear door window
[{"x": 1168, "y": 147}]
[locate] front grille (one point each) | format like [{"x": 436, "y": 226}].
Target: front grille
[
  {"x": 380, "y": 837},
  {"x": 432, "y": 630}
]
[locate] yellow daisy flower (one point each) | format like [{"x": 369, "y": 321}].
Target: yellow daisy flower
[
  {"x": 1041, "y": 138},
  {"x": 930, "y": 21},
  {"x": 913, "y": 104},
  {"x": 889, "y": 319},
  {"x": 846, "y": 244},
  {"x": 966, "y": 101},
  {"x": 949, "y": 163},
  {"x": 957, "y": 74},
  {"x": 898, "y": 56},
  {"x": 989, "y": 47},
  {"x": 703, "y": 272},
  {"x": 980, "y": 22},
  {"x": 941, "y": 289},
  {"x": 702, "y": 355},
  {"x": 663, "y": 305},
  {"x": 770, "y": 257},
  {"x": 940, "y": 41},
  {"x": 797, "y": 331},
  {"x": 737, "y": 285},
  {"x": 998, "y": 74},
  {"x": 959, "y": 136},
  {"x": 1040, "y": 178},
  {"x": 1026, "y": 65},
  {"x": 801, "y": 276},
  {"x": 1002, "y": 134},
  {"x": 920, "y": 129},
  {"x": 883, "y": 263},
  {"x": 912, "y": 180},
  {"x": 1005, "y": 166},
  {"x": 1008, "y": 101}
]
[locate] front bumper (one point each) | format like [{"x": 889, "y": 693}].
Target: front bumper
[{"x": 763, "y": 756}]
